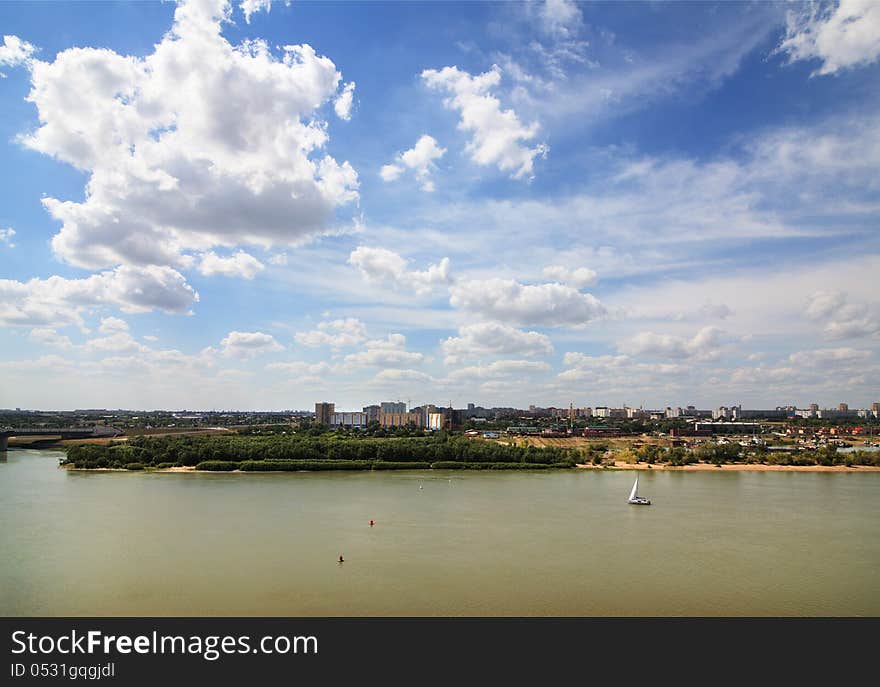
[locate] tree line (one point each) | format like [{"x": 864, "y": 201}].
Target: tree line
[{"x": 300, "y": 452}]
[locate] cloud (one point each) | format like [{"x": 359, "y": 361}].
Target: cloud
[
  {"x": 620, "y": 372},
  {"x": 248, "y": 344},
  {"x": 46, "y": 362},
  {"x": 279, "y": 260},
  {"x": 197, "y": 145},
  {"x": 389, "y": 352},
  {"x": 720, "y": 311},
  {"x": 112, "y": 325},
  {"x": 828, "y": 357},
  {"x": 823, "y": 304},
  {"x": 300, "y": 369},
  {"x": 302, "y": 373},
  {"x": 577, "y": 278},
  {"x": 6, "y": 237},
  {"x": 541, "y": 304},
  {"x": 420, "y": 158},
  {"x": 15, "y": 51},
  {"x": 343, "y": 102},
  {"x": 704, "y": 345},
  {"x": 500, "y": 368},
  {"x": 50, "y": 337},
  {"x": 239, "y": 265},
  {"x": 843, "y": 320},
  {"x": 381, "y": 265},
  {"x": 116, "y": 342},
  {"x": 498, "y": 137},
  {"x": 842, "y": 35},
  {"x": 560, "y": 17},
  {"x": 493, "y": 338},
  {"x": 58, "y": 300},
  {"x": 396, "y": 376},
  {"x": 250, "y": 7},
  {"x": 335, "y": 334}
]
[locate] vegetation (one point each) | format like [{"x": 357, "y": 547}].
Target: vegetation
[
  {"x": 325, "y": 451},
  {"x": 281, "y": 449}
]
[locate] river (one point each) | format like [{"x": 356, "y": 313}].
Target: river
[{"x": 471, "y": 543}]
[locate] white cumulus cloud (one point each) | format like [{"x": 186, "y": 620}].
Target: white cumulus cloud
[
  {"x": 540, "y": 304},
  {"x": 58, "y": 300},
  {"x": 112, "y": 325},
  {"x": 420, "y": 159},
  {"x": 493, "y": 338},
  {"x": 578, "y": 277},
  {"x": 342, "y": 104},
  {"x": 6, "y": 237},
  {"x": 842, "y": 35},
  {"x": 500, "y": 368},
  {"x": 382, "y": 265},
  {"x": 198, "y": 144},
  {"x": 340, "y": 333},
  {"x": 239, "y": 265},
  {"x": 15, "y": 51},
  {"x": 248, "y": 344},
  {"x": 705, "y": 344},
  {"x": 49, "y": 337},
  {"x": 250, "y": 7},
  {"x": 498, "y": 137},
  {"x": 388, "y": 352}
]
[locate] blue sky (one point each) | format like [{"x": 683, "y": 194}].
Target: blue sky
[{"x": 260, "y": 205}]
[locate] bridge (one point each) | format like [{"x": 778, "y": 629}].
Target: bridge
[{"x": 59, "y": 432}]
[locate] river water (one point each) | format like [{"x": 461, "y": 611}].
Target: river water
[{"x": 472, "y": 543}]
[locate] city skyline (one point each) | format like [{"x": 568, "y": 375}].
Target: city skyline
[{"x": 513, "y": 202}]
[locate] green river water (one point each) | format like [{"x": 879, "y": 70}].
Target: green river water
[{"x": 468, "y": 543}]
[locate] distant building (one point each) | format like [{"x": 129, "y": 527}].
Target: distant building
[
  {"x": 875, "y": 408},
  {"x": 721, "y": 413},
  {"x": 323, "y": 411},
  {"x": 673, "y": 412},
  {"x": 354, "y": 420},
  {"x": 392, "y": 407},
  {"x": 601, "y": 411},
  {"x": 831, "y": 414},
  {"x": 436, "y": 421},
  {"x": 400, "y": 419},
  {"x": 728, "y": 427},
  {"x": 372, "y": 412},
  {"x": 843, "y": 407}
]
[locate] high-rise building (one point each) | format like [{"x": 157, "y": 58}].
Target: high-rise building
[
  {"x": 814, "y": 407},
  {"x": 843, "y": 407},
  {"x": 875, "y": 408},
  {"x": 372, "y": 412},
  {"x": 391, "y": 407},
  {"x": 323, "y": 411}
]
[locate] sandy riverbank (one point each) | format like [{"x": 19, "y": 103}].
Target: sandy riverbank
[
  {"x": 755, "y": 467},
  {"x": 619, "y": 465}
]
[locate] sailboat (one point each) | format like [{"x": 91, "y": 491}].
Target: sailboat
[{"x": 634, "y": 497}]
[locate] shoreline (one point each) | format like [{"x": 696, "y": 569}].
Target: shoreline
[
  {"x": 618, "y": 465},
  {"x": 730, "y": 467}
]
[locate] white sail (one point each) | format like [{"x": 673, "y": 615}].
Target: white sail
[{"x": 635, "y": 489}]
